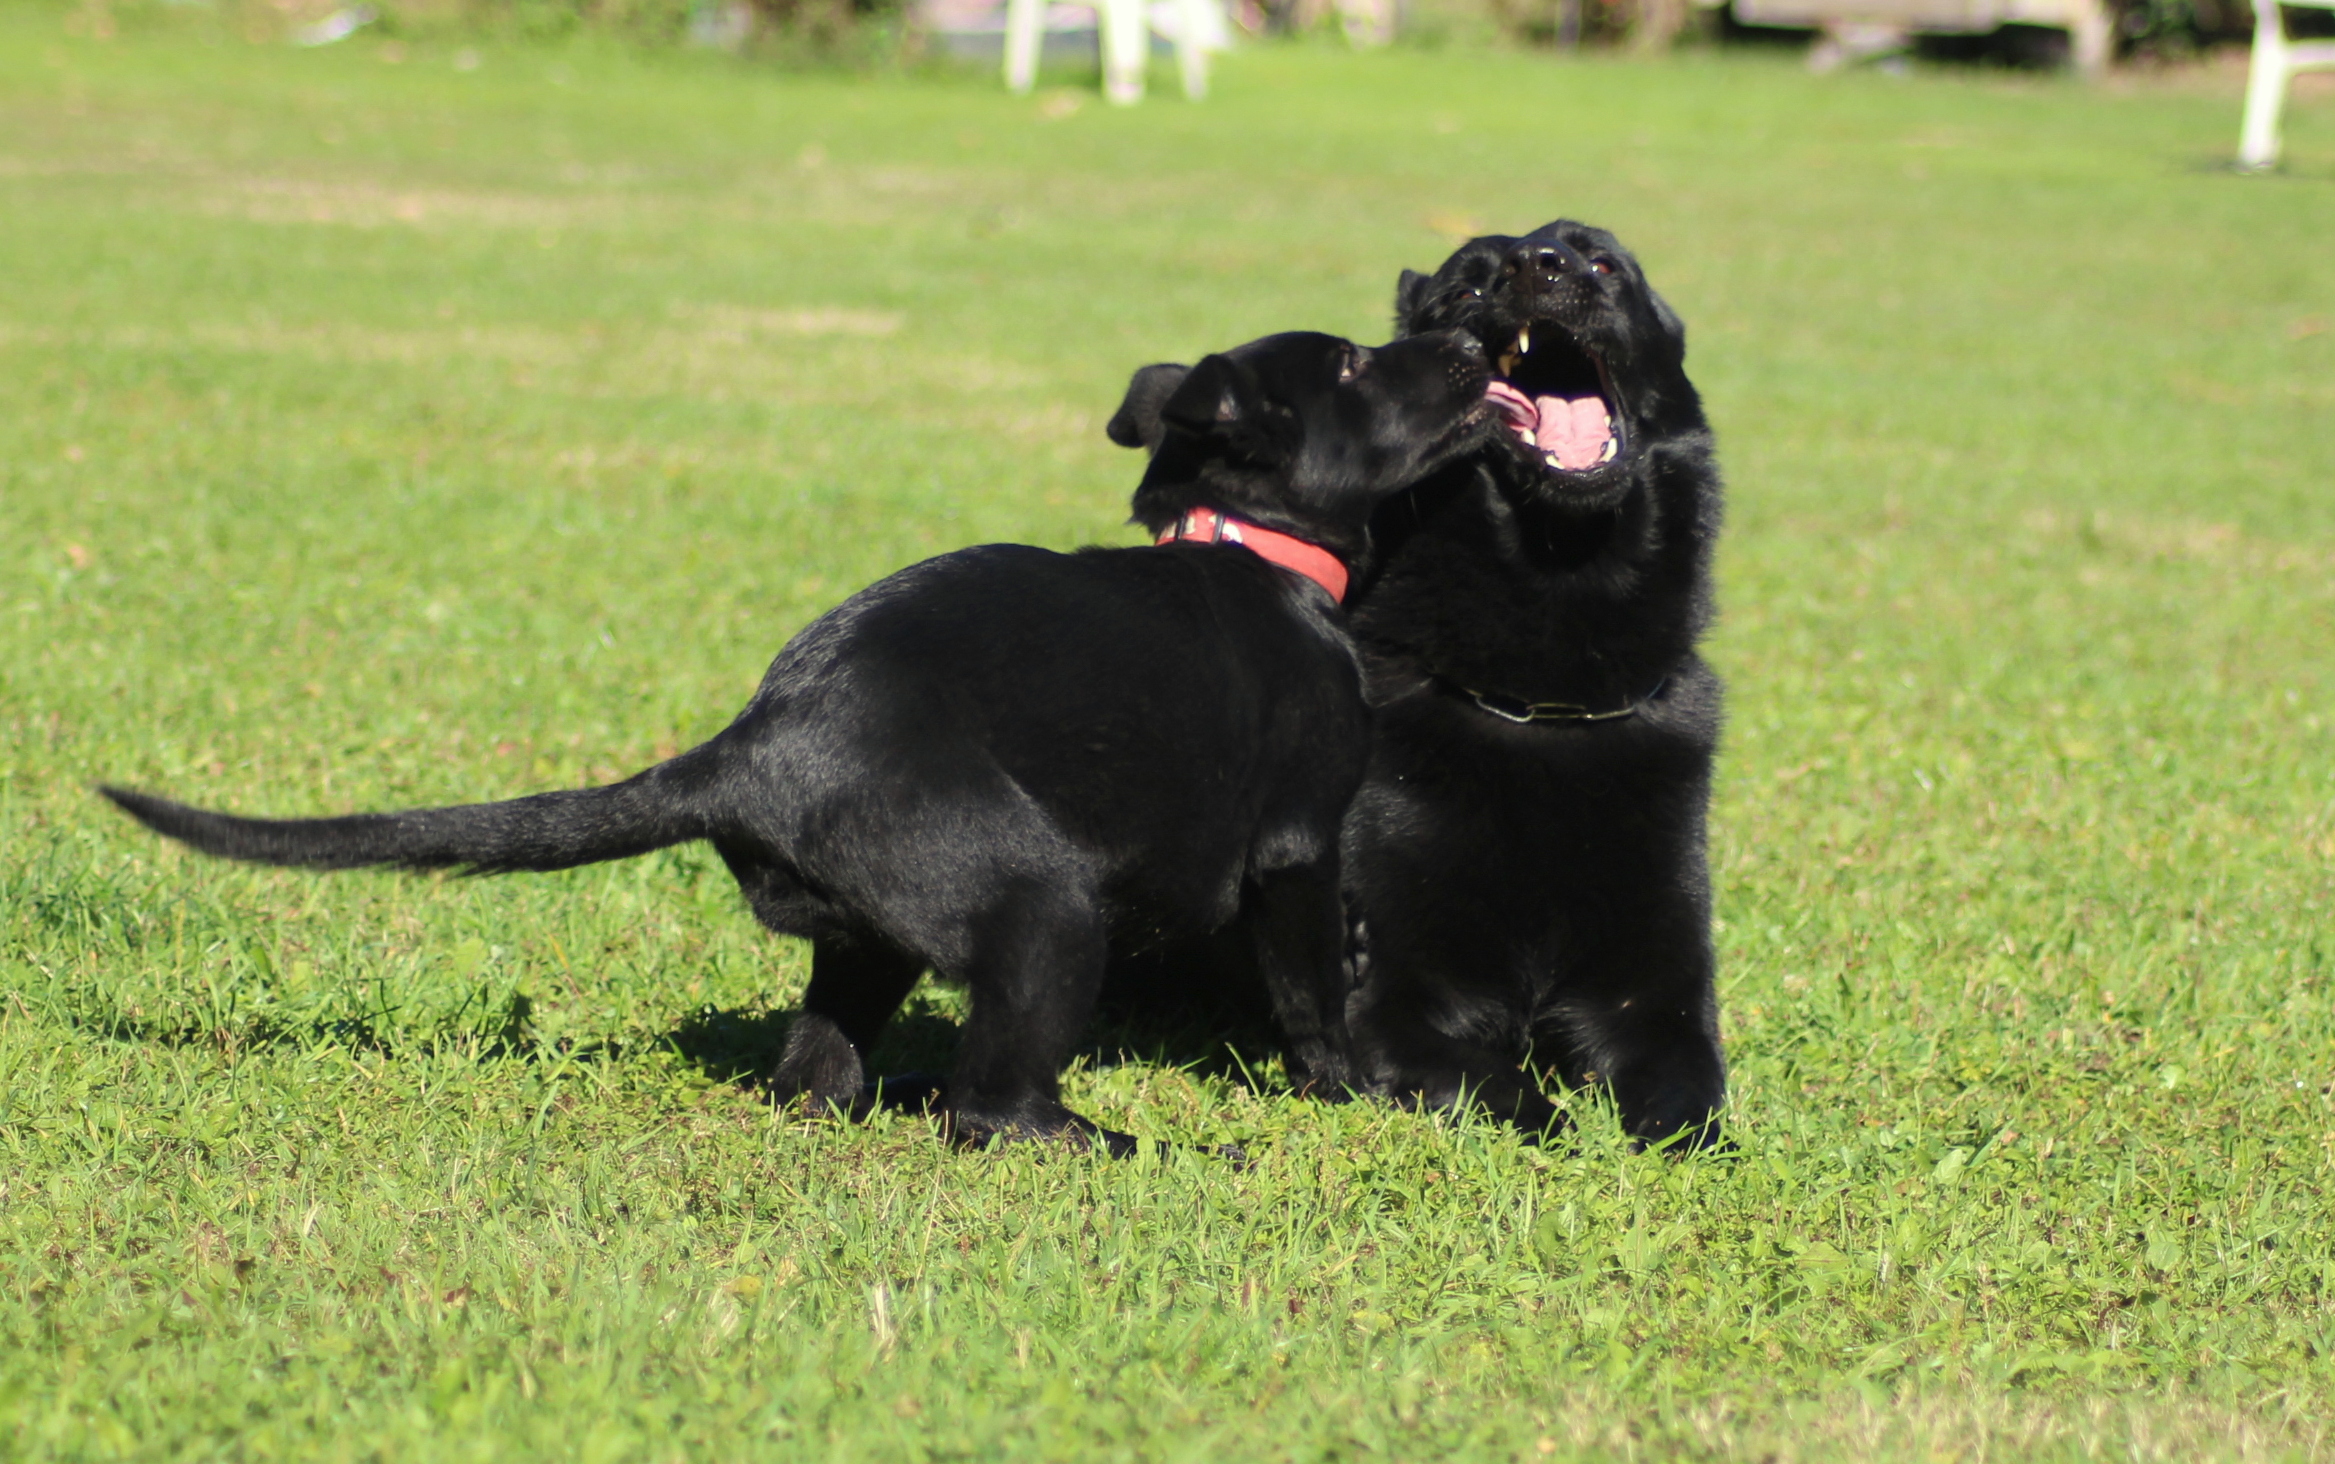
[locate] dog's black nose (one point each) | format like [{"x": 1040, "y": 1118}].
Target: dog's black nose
[{"x": 1542, "y": 259}]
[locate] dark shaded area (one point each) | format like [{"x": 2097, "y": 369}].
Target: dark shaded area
[
  {"x": 1730, "y": 32},
  {"x": 1199, "y": 1006},
  {"x": 499, "y": 1031},
  {"x": 2017, "y": 47},
  {"x": 742, "y": 1045},
  {"x": 2314, "y": 24},
  {"x": 2146, "y": 30}
]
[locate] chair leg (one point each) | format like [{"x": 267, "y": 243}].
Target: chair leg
[
  {"x": 2265, "y": 90},
  {"x": 1193, "y": 29},
  {"x": 2092, "y": 38},
  {"x": 1025, "y": 24},
  {"x": 1126, "y": 50}
]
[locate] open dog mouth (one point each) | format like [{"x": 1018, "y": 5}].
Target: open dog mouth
[{"x": 1556, "y": 399}]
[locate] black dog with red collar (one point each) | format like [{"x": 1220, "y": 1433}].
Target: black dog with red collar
[{"x": 1001, "y": 764}]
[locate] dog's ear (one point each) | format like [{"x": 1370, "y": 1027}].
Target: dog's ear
[
  {"x": 1136, "y": 423},
  {"x": 1222, "y": 400},
  {"x": 1211, "y": 398},
  {"x": 1672, "y": 326},
  {"x": 1410, "y": 295}
]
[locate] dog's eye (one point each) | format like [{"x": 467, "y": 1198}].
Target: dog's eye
[
  {"x": 1601, "y": 266},
  {"x": 1351, "y": 365}
]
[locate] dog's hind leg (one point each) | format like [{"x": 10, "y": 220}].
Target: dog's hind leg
[
  {"x": 857, "y": 982},
  {"x": 1034, "y": 961},
  {"x": 858, "y": 979}
]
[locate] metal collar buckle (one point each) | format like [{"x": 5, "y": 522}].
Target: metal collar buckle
[{"x": 1523, "y": 713}]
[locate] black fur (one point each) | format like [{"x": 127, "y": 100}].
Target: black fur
[
  {"x": 1534, "y": 896},
  {"x": 999, "y": 763}
]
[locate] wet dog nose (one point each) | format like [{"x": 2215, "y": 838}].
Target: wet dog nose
[{"x": 1541, "y": 259}]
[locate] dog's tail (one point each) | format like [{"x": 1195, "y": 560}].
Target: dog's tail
[{"x": 670, "y": 803}]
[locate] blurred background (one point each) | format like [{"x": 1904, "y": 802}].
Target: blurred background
[{"x": 2022, "y": 33}]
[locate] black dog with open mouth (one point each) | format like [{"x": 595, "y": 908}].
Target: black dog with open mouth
[
  {"x": 1525, "y": 863},
  {"x": 1004, "y": 762}
]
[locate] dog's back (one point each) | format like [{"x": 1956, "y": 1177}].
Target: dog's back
[{"x": 1182, "y": 715}]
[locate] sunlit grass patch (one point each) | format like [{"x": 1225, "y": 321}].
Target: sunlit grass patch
[{"x": 382, "y": 433}]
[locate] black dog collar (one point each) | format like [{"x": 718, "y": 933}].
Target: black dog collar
[{"x": 1516, "y": 709}]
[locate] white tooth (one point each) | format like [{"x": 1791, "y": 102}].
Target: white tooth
[
  {"x": 1551, "y": 459},
  {"x": 1612, "y": 445},
  {"x": 1524, "y": 341}
]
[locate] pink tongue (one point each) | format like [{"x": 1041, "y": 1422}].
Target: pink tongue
[
  {"x": 1523, "y": 417},
  {"x": 1575, "y": 429}
]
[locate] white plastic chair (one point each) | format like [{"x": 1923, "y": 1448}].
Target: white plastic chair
[
  {"x": 1126, "y": 44},
  {"x": 2276, "y": 60}
]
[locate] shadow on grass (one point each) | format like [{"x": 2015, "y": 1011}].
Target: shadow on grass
[
  {"x": 1186, "y": 1008},
  {"x": 2317, "y": 171},
  {"x": 741, "y": 1045},
  {"x": 1199, "y": 1006},
  {"x": 502, "y": 1034},
  {"x": 1196, "y": 1007}
]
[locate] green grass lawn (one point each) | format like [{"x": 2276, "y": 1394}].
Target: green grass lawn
[{"x": 376, "y": 433}]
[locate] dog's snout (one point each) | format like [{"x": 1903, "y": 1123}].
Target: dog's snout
[
  {"x": 1467, "y": 345},
  {"x": 1540, "y": 261},
  {"x": 1452, "y": 349}
]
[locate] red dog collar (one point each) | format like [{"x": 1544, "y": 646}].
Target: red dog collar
[{"x": 1208, "y": 526}]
